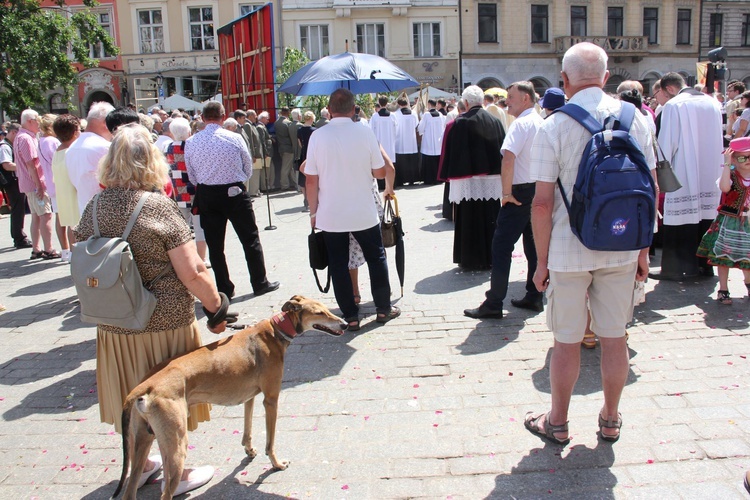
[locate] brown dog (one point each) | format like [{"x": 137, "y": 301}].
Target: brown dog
[{"x": 228, "y": 372}]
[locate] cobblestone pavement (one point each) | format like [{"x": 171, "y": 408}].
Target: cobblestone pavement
[{"x": 430, "y": 405}]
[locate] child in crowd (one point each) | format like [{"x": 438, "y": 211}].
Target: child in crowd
[{"x": 727, "y": 242}]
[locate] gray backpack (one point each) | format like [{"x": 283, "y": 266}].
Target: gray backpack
[{"x": 107, "y": 280}]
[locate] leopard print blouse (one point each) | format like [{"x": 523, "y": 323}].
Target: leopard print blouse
[{"x": 159, "y": 228}]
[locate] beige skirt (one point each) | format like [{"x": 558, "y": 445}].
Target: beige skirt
[{"x": 123, "y": 361}]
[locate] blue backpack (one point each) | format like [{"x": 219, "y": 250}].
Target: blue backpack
[{"x": 613, "y": 205}]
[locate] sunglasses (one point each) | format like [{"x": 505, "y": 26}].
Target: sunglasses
[{"x": 742, "y": 159}]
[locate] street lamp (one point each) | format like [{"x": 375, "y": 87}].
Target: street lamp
[{"x": 160, "y": 89}]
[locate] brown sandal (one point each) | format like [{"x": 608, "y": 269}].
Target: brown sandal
[
  {"x": 531, "y": 422},
  {"x": 609, "y": 423},
  {"x": 589, "y": 340}
]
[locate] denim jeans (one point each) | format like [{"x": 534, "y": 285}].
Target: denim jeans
[{"x": 371, "y": 242}]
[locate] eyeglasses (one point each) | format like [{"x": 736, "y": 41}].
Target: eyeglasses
[{"x": 742, "y": 159}]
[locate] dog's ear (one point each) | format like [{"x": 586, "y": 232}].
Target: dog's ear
[{"x": 292, "y": 306}]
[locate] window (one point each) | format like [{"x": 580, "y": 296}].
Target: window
[
  {"x": 614, "y": 21},
  {"x": 651, "y": 24},
  {"x": 371, "y": 39},
  {"x": 151, "y": 31},
  {"x": 202, "y": 28},
  {"x": 746, "y": 30},
  {"x": 714, "y": 30},
  {"x": 97, "y": 51},
  {"x": 314, "y": 40},
  {"x": 577, "y": 21},
  {"x": 539, "y": 23},
  {"x": 426, "y": 39},
  {"x": 247, "y": 8},
  {"x": 683, "y": 26},
  {"x": 487, "y": 14}
]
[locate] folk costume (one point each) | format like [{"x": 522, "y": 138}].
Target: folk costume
[{"x": 472, "y": 165}]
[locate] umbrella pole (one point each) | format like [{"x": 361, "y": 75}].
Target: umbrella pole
[{"x": 270, "y": 226}]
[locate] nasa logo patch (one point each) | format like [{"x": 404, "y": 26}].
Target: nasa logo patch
[{"x": 619, "y": 226}]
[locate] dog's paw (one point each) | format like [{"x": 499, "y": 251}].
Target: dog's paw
[
  {"x": 281, "y": 464},
  {"x": 251, "y": 452}
]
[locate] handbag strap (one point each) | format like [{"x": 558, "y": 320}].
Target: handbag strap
[
  {"x": 328, "y": 281},
  {"x": 657, "y": 148},
  {"x": 131, "y": 221}
]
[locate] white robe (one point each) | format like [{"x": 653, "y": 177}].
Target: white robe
[
  {"x": 406, "y": 140},
  {"x": 691, "y": 138},
  {"x": 431, "y": 129},
  {"x": 385, "y": 129}
]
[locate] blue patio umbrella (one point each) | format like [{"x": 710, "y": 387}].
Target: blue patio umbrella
[{"x": 360, "y": 73}]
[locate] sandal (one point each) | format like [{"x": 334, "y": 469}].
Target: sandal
[
  {"x": 54, "y": 254},
  {"x": 36, "y": 255},
  {"x": 531, "y": 422},
  {"x": 353, "y": 324},
  {"x": 589, "y": 340},
  {"x": 722, "y": 297},
  {"x": 357, "y": 299},
  {"x": 610, "y": 424},
  {"x": 384, "y": 318}
]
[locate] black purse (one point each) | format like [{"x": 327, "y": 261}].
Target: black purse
[
  {"x": 665, "y": 176},
  {"x": 318, "y": 258}
]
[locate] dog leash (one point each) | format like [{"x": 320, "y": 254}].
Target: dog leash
[{"x": 235, "y": 326}]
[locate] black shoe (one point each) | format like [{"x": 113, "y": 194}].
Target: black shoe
[
  {"x": 484, "y": 311},
  {"x": 24, "y": 244},
  {"x": 666, "y": 276},
  {"x": 527, "y": 303},
  {"x": 270, "y": 287}
]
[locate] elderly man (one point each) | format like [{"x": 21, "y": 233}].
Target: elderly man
[
  {"x": 325, "y": 117},
  {"x": 31, "y": 182},
  {"x": 218, "y": 163},
  {"x": 16, "y": 199},
  {"x": 695, "y": 153},
  {"x": 268, "y": 176},
  {"x": 286, "y": 147},
  {"x": 248, "y": 132},
  {"x": 165, "y": 135},
  {"x": 339, "y": 193},
  {"x": 82, "y": 158},
  {"x": 569, "y": 271},
  {"x": 514, "y": 219},
  {"x": 471, "y": 163}
]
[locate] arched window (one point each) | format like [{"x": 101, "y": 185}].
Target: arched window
[
  {"x": 489, "y": 82},
  {"x": 57, "y": 104},
  {"x": 540, "y": 85}
]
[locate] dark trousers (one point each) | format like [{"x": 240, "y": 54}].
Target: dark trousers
[
  {"x": 371, "y": 242},
  {"x": 679, "y": 244},
  {"x": 17, "y": 202},
  {"x": 216, "y": 207},
  {"x": 513, "y": 221}
]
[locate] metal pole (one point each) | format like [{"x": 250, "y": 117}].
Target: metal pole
[{"x": 270, "y": 226}]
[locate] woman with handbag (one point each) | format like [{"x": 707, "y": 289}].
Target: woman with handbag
[{"x": 169, "y": 265}]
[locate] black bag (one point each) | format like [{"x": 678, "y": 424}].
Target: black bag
[
  {"x": 668, "y": 181},
  {"x": 318, "y": 258},
  {"x": 387, "y": 224}
]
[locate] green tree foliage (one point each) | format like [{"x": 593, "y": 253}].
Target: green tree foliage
[
  {"x": 293, "y": 60},
  {"x": 35, "y": 44}
]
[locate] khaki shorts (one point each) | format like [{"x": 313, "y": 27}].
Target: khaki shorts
[
  {"x": 610, "y": 300},
  {"x": 39, "y": 206}
]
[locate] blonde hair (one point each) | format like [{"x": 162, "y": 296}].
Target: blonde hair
[
  {"x": 45, "y": 124},
  {"x": 133, "y": 161},
  {"x": 309, "y": 115}
]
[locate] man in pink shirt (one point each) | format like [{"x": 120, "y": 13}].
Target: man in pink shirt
[{"x": 31, "y": 182}]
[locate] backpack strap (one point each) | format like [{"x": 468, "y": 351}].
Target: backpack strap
[
  {"x": 583, "y": 117},
  {"x": 627, "y": 113},
  {"x": 134, "y": 216},
  {"x": 93, "y": 216}
]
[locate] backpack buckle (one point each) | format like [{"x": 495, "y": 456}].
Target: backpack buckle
[
  {"x": 92, "y": 282},
  {"x": 607, "y": 135}
]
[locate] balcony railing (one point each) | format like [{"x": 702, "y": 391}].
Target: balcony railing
[{"x": 635, "y": 46}]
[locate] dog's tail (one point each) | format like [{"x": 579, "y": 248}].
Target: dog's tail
[{"x": 125, "y": 444}]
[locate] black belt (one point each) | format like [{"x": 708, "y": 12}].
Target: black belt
[{"x": 217, "y": 187}]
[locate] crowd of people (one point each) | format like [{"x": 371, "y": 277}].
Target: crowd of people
[{"x": 505, "y": 160}]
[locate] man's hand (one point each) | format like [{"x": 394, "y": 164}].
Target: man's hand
[
  {"x": 642, "y": 272},
  {"x": 509, "y": 199},
  {"x": 541, "y": 277},
  {"x": 312, "y": 221}
]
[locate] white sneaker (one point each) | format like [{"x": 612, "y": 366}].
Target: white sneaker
[
  {"x": 65, "y": 255},
  {"x": 156, "y": 459},
  {"x": 197, "y": 478}
]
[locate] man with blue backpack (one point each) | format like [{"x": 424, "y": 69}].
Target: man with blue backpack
[{"x": 593, "y": 217}]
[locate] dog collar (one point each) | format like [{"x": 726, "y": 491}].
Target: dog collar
[{"x": 284, "y": 326}]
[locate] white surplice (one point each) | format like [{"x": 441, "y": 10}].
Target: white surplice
[
  {"x": 406, "y": 139},
  {"x": 691, "y": 138},
  {"x": 431, "y": 129},
  {"x": 385, "y": 129}
]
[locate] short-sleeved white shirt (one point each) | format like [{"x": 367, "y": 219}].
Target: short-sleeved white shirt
[
  {"x": 82, "y": 160},
  {"x": 343, "y": 154},
  {"x": 556, "y": 153},
  {"x": 519, "y": 140}
]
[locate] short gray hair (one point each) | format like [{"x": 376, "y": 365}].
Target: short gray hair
[
  {"x": 167, "y": 123},
  {"x": 585, "y": 62},
  {"x": 180, "y": 129},
  {"x": 230, "y": 124},
  {"x": 473, "y": 96},
  {"x": 296, "y": 114},
  {"x": 28, "y": 115},
  {"x": 99, "y": 111}
]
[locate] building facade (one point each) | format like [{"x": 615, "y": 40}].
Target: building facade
[
  {"x": 503, "y": 42},
  {"x": 419, "y": 36},
  {"x": 170, "y": 46},
  {"x": 727, "y": 24}
]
